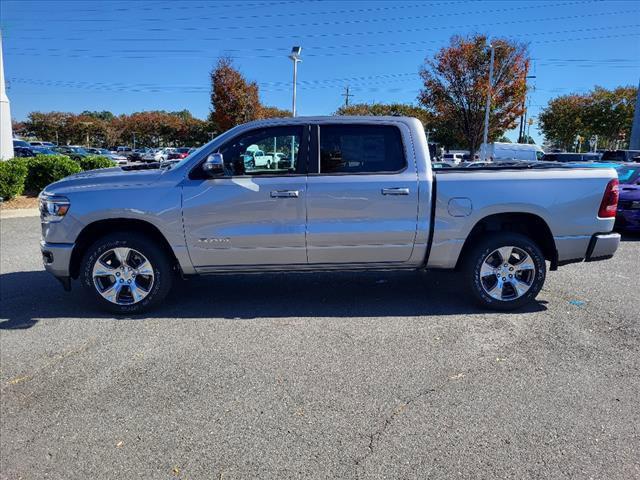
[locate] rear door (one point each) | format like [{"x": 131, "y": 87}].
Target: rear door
[{"x": 362, "y": 194}]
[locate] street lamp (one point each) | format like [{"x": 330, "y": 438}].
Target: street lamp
[{"x": 295, "y": 56}]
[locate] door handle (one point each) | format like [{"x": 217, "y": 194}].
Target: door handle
[
  {"x": 285, "y": 194},
  {"x": 395, "y": 191}
]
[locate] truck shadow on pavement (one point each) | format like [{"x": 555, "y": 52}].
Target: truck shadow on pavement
[{"x": 28, "y": 297}]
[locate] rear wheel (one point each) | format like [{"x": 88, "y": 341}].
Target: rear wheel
[
  {"x": 126, "y": 273},
  {"x": 505, "y": 271}
]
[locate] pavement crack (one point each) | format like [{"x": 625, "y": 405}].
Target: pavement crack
[{"x": 375, "y": 436}]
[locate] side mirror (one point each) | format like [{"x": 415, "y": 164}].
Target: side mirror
[{"x": 214, "y": 165}]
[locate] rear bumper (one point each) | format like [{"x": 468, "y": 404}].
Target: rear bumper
[
  {"x": 602, "y": 246},
  {"x": 56, "y": 258}
]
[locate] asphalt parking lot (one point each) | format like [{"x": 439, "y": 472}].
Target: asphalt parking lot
[{"x": 392, "y": 375}]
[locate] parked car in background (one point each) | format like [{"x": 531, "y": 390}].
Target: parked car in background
[
  {"x": 20, "y": 143},
  {"x": 42, "y": 144},
  {"x": 506, "y": 152},
  {"x": 163, "y": 154},
  {"x": 621, "y": 156},
  {"x": 571, "y": 157},
  {"x": 478, "y": 164},
  {"x": 280, "y": 160},
  {"x": 116, "y": 157},
  {"x": 628, "y": 216},
  {"x": 439, "y": 165},
  {"x": 363, "y": 198},
  {"x": 43, "y": 151},
  {"x": 452, "y": 157},
  {"x": 151, "y": 155},
  {"x": 73, "y": 151},
  {"x": 178, "y": 153},
  {"x": 23, "y": 152}
]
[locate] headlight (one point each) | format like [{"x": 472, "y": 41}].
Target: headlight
[{"x": 53, "y": 209}]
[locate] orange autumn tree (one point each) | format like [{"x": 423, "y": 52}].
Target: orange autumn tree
[
  {"x": 456, "y": 82},
  {"x": 235, "y": 100}
]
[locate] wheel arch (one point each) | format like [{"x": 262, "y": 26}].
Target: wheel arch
[
  {"x": 100, "y": 228},
  {"x": 529, "y": 224}
]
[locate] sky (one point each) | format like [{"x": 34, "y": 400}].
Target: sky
[{"x": 128, "y": 56}]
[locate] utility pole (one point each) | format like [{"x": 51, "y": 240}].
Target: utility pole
[
  {"x": 485, "y": 137},
  {"x": 523, "y": 119},
  {"x": 634, "y": 141},
  {"x": 346, "y": 96}
]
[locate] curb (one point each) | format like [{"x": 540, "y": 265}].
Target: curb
[{"x": 19, "y": 213}]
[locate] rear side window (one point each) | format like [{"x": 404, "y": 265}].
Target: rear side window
[
  {"x": 614, "y": 155},
  {"x": 361, "y": 149}
]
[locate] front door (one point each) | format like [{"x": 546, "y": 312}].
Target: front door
[{"x": 255, "y": 214}]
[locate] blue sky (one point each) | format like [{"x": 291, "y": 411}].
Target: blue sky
[{"x": 127, "y": 56}]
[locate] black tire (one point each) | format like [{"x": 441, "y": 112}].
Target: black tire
[
  {"x": 476, "y": 256},
  {"x": 162, "y": 271}
]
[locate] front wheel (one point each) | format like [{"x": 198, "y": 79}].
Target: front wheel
[
  {"x": 126, "y": 273},
  {"x": 505, "y": 271}
]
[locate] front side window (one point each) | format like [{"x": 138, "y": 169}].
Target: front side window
[
  {"x": 267, "y": 151},
  {"x": 361, "y": 149}
]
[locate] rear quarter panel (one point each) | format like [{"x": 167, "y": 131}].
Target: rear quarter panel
[{"x": 566, "y": 199}]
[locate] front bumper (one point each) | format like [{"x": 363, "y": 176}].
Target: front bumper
[
  {"x": 56, "y": 258},
  {"x": 602, "y": 246}
]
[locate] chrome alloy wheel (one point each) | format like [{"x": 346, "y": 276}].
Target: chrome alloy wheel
[
  {"x": 507, "y": 273},
  {"x": 123, "y": 276}
]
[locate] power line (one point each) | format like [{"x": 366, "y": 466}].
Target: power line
[
  {"x": 350, "y": 21},
  {"x": 186, "y": 53},
  {"x": 301, "y": 13},
  {"x": 307, "y": 36}
]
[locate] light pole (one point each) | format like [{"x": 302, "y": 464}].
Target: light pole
[
  {"x": 295, "y": 56},
  {"x": 485, "y": 137}
]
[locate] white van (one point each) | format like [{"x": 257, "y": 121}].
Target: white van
[{"x": 505, "y": 152}]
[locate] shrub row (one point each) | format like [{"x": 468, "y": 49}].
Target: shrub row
[{"x": 33, "y": 174}]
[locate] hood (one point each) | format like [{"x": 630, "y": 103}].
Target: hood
[{"x": 106, "y": 178}]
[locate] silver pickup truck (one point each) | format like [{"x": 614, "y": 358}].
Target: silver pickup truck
[{"x": 356, "y": 193}]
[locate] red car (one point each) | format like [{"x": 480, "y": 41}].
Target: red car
[{"x": 179, "y": 153}]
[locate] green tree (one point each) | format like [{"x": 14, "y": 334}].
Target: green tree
[
  {"x": 456, "y": 81},
  {"x": 562, "y": 120},
  {"x": 609, "y": 114},
  {"x": 602, "y": 112},
  {"x": 381, "y": 109}
]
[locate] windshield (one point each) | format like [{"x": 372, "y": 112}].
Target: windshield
[{"x": 629, "y": 174}]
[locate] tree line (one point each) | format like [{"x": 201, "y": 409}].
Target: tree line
[{"x": 451, "y": 105}]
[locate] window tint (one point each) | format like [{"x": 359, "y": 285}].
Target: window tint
[
  {"x": 266, "y": 151},
  {"x": 360, "y": 149},
  {"x": 617, "y": 156}
]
